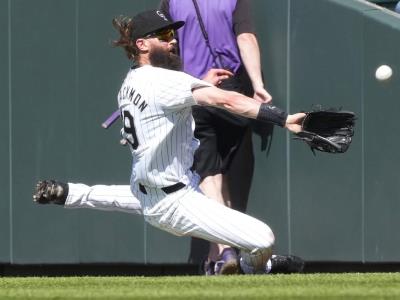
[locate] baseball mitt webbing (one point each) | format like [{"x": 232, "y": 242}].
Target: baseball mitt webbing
[{"x": 328, "y": 130}]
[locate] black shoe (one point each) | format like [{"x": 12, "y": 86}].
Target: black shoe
[
  {"x": 286, "y": 264},
  {"x": 50, "y": 192}
]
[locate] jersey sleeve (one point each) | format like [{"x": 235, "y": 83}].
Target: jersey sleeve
[
  {"x": 176, "y": 89},
  {"x": 242, "y": 18}
]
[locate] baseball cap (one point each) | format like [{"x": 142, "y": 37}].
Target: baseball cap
[{"x": 151, "y": 21}]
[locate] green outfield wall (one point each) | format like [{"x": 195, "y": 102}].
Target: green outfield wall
[{"x": 59, "y": 78}]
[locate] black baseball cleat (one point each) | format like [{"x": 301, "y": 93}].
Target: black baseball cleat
[
  {"x": 286, "y": 264},
  {"x": 50, "y": 192}
]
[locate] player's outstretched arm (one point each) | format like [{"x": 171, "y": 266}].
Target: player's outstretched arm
[
  {"x": 228, "y": 100},
  {"x": 247, "y": 107}
]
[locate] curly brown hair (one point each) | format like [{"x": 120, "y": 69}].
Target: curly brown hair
[{"x": 124, "y": 26}]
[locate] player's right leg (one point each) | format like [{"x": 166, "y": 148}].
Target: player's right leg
[
  {"x": 223, "y": 225},
  {"x": 188, "y": 212},
  {"x": 102, "y": 197}
]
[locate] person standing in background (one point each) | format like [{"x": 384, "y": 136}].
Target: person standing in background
[{"x": 220, "y": 34}]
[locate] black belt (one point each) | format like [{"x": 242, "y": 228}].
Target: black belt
[{"x": 168, "y": 189}]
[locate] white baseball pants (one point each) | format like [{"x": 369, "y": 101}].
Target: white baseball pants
[
  {"x": 103, "y": 197},
  {"x": 187, "y": 212}
]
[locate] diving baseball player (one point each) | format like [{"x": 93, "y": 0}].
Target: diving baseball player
[{"x": 155, "y": 102}]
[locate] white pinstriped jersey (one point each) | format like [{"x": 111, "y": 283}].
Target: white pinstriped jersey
[{"x": 155, "y": 104}]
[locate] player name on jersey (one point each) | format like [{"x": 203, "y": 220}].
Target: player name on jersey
[{"x": 129, "y": 93}]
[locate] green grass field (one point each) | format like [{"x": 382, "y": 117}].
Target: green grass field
[{"x": 307, "y": 286}]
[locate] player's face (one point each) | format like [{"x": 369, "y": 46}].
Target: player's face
[{"x": 162, "y": 52}]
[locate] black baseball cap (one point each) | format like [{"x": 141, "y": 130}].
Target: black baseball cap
[{"x": 151, "y": 21}]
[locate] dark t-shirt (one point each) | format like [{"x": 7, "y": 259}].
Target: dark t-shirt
[{"x": 242, "y": 17}]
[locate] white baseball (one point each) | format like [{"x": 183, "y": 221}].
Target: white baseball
[{"x": 383, "y": 72}]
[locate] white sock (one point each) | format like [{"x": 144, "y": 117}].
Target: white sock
[{"x": 268, "y": 266}]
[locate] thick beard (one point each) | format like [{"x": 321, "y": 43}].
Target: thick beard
[{"x": 162, "y": 58}]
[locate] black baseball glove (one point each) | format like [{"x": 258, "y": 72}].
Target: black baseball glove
[{"x": 328, "y": 130}]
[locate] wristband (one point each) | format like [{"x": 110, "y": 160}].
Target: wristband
[{"x": 272, "y": 114}]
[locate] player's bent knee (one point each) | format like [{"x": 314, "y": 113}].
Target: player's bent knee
[
  {"x": 270, "y": 239},
  {"x": 255, "y": 262},
  {"x": 267, "y": 239}
]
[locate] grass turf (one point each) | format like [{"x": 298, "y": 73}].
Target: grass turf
[{"x": 304, "y": 286}]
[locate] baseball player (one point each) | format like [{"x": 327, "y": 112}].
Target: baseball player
[{"x": 155, "y": 102}]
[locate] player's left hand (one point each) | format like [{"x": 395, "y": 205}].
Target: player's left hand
[
  {"x": 215, "y": 76},
  {"x": 293, "y": 122}
]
